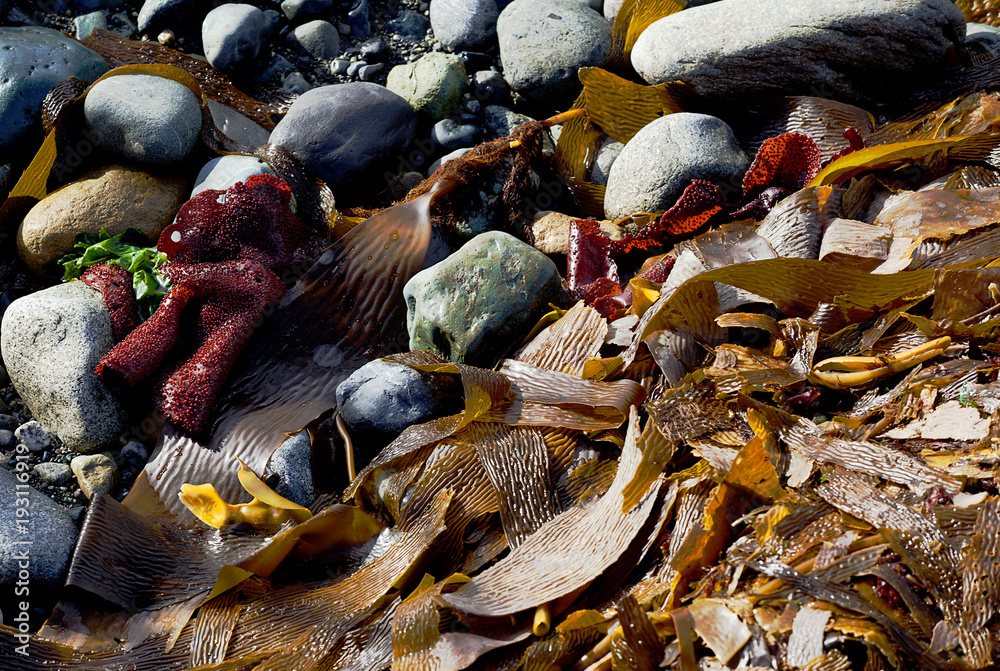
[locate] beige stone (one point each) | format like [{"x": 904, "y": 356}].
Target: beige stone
[
  {"x": 95, "y": 473},
  {"x": 551, "y": 232},
  {"x": 115, "y": 197}
]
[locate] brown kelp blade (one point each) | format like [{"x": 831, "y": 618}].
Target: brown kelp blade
[{"x": 343, "y": 309}]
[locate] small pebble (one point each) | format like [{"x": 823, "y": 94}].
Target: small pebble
[
  {"x": 166, "y": 38},
  {"x": 9, "y": 422},
  {"x": 7, "y": 438},
  {"x": 339, "y": 66},
  {"x": 371, "y": 72},
  {"x": 353, "y": 68},
  {"x": 450, "y": 136},
  {"x": 34, "y": 436}
]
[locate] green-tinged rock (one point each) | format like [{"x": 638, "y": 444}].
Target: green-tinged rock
[
  {"x": 479, "y": 303},
  {"x": 32, "y": 61},
  {"x": 96, "y": 473},
  {"x": 433, "y": 85}
]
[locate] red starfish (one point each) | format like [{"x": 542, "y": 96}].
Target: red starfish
[
  {"x": 224, "y": 247},
  {"x": 115, "y": 285}
]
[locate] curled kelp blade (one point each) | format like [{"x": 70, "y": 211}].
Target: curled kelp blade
[
  {"x": 574, "y": 548},
  {"x": 570, "y": 343},
  {"x": 622, "y": 108},
  {"x": 342, "y": 310}
]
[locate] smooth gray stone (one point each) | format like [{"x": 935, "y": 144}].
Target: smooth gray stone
[
  {"x": 294, "y": 82},
  {"x": 606, "y": 156},
  {"x": 48, "y": 537},
  {"x": 292, "y": 462},
  {"x": 451, "y": 136},
  {"x": 279, "y": 66},
  {"x": 544, "y": 43},
  {"x": 236, "y": 126},
  {"x": 234, "y": 35},
  {"x": 359, "y": 20},
  {"x": 32, "y": 61},
  {"x": 489, "y": 85},
  {"x": 342, "y": 131},
  {"x": 480, "y": 301},
  {"x": 86, "y": 24},
  {"x": 318, "y": 39},
  {"x": 611, "y": 7},
  {"x": 55, "y": 474},
  {"x": 143, "y": 118},
  {"x": 299, "y": 10},
  {"x": 826, "y": 48},
  {"x": 464, "y": 24},
  {"x": 385, "y": 398},
  {"x": 225, "y": 171},
  {"x": 156, "y": 15},
  {"x": 661, "y": 160},
  {"x": 51, "y": 342},
  {"x": 499, "y": 121}
]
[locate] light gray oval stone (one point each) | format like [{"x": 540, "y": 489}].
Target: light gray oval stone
[
  {"x": 225, "y": 171},
  {"x": 45, "y": 523},
  {"x": 464, "y": 24},
  {"x": 826, "y": 48},
  {"x": 143, "y": 118},
  {"x": 342, "y": 131},
  {"x": 480, "y": 301},
  {"x": 53, "y": 473},
  {"x": 51, "y": 342},
  {"x": 661, "y": 159},
  {"x": 544, "y": 43},
  {"x": 236, "y": 126},
  {"x": 32, "y": 61},
  {"x": 234, "y": 34},
  {"x": 606, "y": 156}
]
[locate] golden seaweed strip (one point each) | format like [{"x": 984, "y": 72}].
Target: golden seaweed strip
[
  {"x": 981, "y": 567},
  {"x": 750, "y": 482},
  {"x": 566, "y": 643},
  {"x": 299, "y": 356},
  {"x": 639, "y": 647},
  {"x": 720, "y": 628},
  {"x": 517, "y": 465},
  {"x": 866, "y": 457},
  {"x": 645, "y": 14},
  {"x": 43, "y": 654},
  {"x": 622, "y": 108},
  {"x": 619, "y": 33},
  {"x": 117, "y": 51},
  {"x": 368, "y": 647},
  {"x": 213, "y": 628},
  {"x": 306, "y": 619},
  {"x": 568, "y": 344},
  {"x": 565, "y": 554},
  {"x": 965, "y": 115}
]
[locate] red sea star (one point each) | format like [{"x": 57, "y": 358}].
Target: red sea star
[
  {"x": 115, "y": 285},
  {"x": 224, "y": 247}
]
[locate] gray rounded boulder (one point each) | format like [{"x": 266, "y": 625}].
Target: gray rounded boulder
[
  {"x": 482, "y": 300},
  {"x": 51, "y": 342},
  {"x": 544, "y": 43},
  {"x": 32, "y": 61},
  {"x": 657, "y": 164},
  {"x": 318, "y": 39},
  {"x": 234, "y": 34},
  {"x": 381, "y": 399},
  {"x": 464, "y": 24},
  {"x": 344, "y": 130},
  {"x": 143, "y": 118}
]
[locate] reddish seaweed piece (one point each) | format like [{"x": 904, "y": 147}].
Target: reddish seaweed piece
[
  {"x": 250, "y": 220},
  {"x": 115, "y": 285},
  {"x": 855, "y": 143},
  {"x": 234, "y": 295},
  {"x": 789, "y": 161}
]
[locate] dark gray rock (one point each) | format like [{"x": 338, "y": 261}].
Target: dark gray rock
[
  {"x": 499, "y": 121},
  {"x": 354, "y": 68},
  {"x": 51, "y": 342},
  {"x": 661, "y": 160},
  {"x": 295, "y": 83},
  {"x": 606, "y": 156},
  {"x": 32, "y": 61},
  {"x": 480, "y": 301},
  {"x": 449, "y": 135},
  {"x": 234, "y": 34},
  {"x": 277, "y": 67},
  {"x": 384, "y": 398},
  {"x": 358, "y": 20},
  {"x": 144, "y": 118},
  {"x": 344, "y": 130},
  {"x": 371, "y": 72},
  {"x": 7, "y": 439},
  {"x": 375, "y": 50},
  {"x": 489, "y": 86},
  {"x": 8, "y": 422},
  {"x": 544, "y": 43},
  {"x": 157, "y": 15},
  {"x": 464, "y": 24},
  {"x": 292, "y": 463},
  {"x": 828, "y": 48},
  {"x": 984, "y": 35},
  {"x": 318, "y": 39},
  {"x": 55, "y": 474},
  {"x": 409, "y": 25},
  {"x": 46, "y": 535},
  {"x": 134, "y": 454},
  {"x": 300, "y": 10}
]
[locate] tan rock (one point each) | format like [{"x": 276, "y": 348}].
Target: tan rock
[
  {"x": 551, "y": 232},
  {"x": 95, "y": 473},
  {"x": 115, "y": 197}
]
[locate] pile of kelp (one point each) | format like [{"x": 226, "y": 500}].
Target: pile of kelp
[{"x": 774, "y": 447}]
